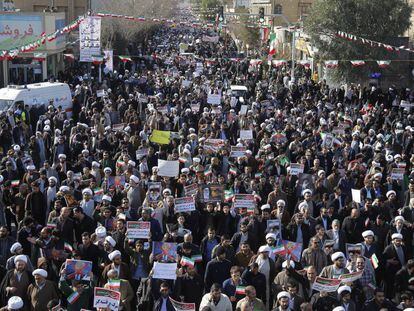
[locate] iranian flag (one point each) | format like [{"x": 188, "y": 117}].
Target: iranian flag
[
  {"x": 228, "y": 195},
  {"x": 241, "y": 290},
  {"x": 233, "y": 171},
  {"x": 383, "y": 63},
  {"x": 197, "y": 258},
  {"x": 331, "y": 64},
  {"x": 279, "y": 62},
  {"x": 125, "y": 59},
  {"x": 120, "y": 163},
  {"x": 374, "y": 260},
  {"x": 182, "y": 159},
  {"x": 97, "y": 59},
  {"x": 39, "y": 56},
  {"x": 114, "y": 284},
  {"x": 15, "y": 183},
  {"x": 185, "y": 261},
  {"x": 70, "y": 57},
  {"x": 272, "y": 44},
  {"x": 72, "y": 298},
  {"x": 357, "y": 63},
  {"x": 68, "y": 247},
  {"x": 208, "y": 172},
  {"x": 98, "y": 191}
]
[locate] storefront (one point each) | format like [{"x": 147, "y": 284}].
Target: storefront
[{"x": 17, "y": 29}]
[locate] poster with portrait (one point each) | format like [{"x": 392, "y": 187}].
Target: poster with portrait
[
  {"x": 78, "y": 269},
  {"x": 164, "y": 251},
  {"x": 212, "y": 193}
]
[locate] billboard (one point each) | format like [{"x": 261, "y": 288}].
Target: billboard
[{"x": 18, "y": 30}]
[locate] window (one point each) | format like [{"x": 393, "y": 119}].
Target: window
[
  {"x": 278, "y": 9},
  {"x": 304, "y": 8}
]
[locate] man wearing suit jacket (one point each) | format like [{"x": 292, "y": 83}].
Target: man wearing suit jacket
[
  {"x": 324, "y": 219},
  {"x": 298, "y": 231},
  {"x": 395, "y": 257},
  {"x": 164, "y": 299},
  {"x": 123, "y": 286},
  {"x": 338, "y": 235},
  {"x": 242, "y": 236}
]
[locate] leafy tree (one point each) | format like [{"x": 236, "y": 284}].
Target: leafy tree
[{"x": 378, "y": 20}]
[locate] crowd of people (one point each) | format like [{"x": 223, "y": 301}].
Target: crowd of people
[{"x": 330, "y": 171}]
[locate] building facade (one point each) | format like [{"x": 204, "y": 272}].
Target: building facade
[
  {"x": 71, "y": 8},
  {"x": 293, "y": 10}
]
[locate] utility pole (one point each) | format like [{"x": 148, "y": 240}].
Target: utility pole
[{"x": 292, "y": 74}]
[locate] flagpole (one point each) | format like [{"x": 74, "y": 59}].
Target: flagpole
[{"x": 100, "y": 73}]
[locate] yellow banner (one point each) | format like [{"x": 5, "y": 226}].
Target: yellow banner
[{"x": 160, "y": 137}]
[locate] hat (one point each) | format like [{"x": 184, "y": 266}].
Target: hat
[
  {"x": 320, "y": 172},
  {"x": 337, "y": 255},
  {"x": 15, "y": 247},
  {"x": 367, "y": 233},
  {"x": 185, "y": 171},
  {"x": 114, "y": 254},
  {"x": 399, "y": 218},
  {"x": 107, "y": 198},
  {"x": 282, "y": 202},
  {"x": 264, "y": 249},
  {"x": 40, "y": 272},
  {"x": 378, "y": 175},
  {"x": 52, "y": 178},
  {"x": 196, "y": 160},
  {"x": 338, "y": 309},
  {"x": 87, "y": 191},
  {"x": 397, "y": 236},
  {"x": 20, "y": 258},
  {"x": 397, "y": 156},
  {"x": 292, "y": 264},
  {"x": 134, "y": 178},
  {"x": 265, "y": 206},
  {"x": 110, "y": 240},
  {"x": 100, "y": 232},
  {"x": 64, "y": 188},
  {"x": 107, "y": 170},
  {"x": 95, "y": 164},
  {"x": 283, "y": 294},
  {"x": 306, "y": 191},
  {"x": 15, "y": 303},
  {"x": 166, "y": 190},
  {"x": 31, "y": 167},
  {"x": 132, "y": 163},
  {"x": 271, "y": 236},
  {"x": 16, "y": 148},
  {"x": 344, "y": 288},
  {"x": 62, "y": 156},
  {"x": 85, "y": 151},
  {"x": 391, "y": 192}
]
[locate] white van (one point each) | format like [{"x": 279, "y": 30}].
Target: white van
[{"x": 37, "y": 94}]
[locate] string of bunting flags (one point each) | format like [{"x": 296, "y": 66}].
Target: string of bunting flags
[
  {"x": 32, "y": 46},
  {"x": 332, "y": 64},
  {"x": 372, "y": 43}
]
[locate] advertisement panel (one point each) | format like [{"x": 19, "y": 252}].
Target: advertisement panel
[{"x": 18, "y": 30}]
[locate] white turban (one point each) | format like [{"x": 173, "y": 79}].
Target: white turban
[
  {"x": 113, "y": 255},
  {"x": 20, "y": 258},
  {"x": 337, "y": 255},
  {"x": 40, "y": 272},
  {"x": 15, "y": 247},
  {"x": 15, "y": 303}
]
